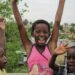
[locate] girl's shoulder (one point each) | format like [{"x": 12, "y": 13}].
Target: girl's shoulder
[{"x": 32, "y": 49}]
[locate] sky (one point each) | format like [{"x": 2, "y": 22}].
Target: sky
[{"x": 46, "y": 9}]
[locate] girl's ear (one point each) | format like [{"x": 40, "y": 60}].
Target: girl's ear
[{"x": 33, "y": 34}]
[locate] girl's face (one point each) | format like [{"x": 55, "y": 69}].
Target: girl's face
[
  {"x": 41, "y": 34},
  {"x": 71, "y": 59},
  {"x": 2, "y": 59}
]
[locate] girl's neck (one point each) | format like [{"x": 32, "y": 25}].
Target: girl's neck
[{"x": 40, "y": 48}]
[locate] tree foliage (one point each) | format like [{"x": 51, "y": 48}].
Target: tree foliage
[
  {"x": 6, "y": 9},
  {"x": 72, "y": 29},
  {"x": 13, "y": 42}
]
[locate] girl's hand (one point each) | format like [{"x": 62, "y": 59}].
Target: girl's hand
[
  {"x": 34, "y": 70},
  {"x": 61, "y": 49},
  {"x": 1, "y": 19},
  {"x": 2, "y": 23}
]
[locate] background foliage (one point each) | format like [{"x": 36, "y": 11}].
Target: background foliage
[{"x": 13, "y": 42}]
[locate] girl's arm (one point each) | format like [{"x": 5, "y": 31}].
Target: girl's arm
[
  {"x": 2, "y": 32},
  {"x": 55, "y": 32},
  {"x": 61, "y": 49},
  {"x": 23, "y": 34},
  {"x": 2, "y": 23},
  {"x": 52, "y": 63}
]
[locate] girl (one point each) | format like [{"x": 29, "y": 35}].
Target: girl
[{"x": 39, "y": 53}]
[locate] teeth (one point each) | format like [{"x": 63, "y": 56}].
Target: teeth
[{"x": 41, "y": 38}]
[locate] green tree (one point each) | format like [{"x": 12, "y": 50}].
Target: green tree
[
  {"x": 61, "y": 28},
  {"x": 13, "y": 42},
  {"x": 5, "y": 9},
  {"x": 72, "y": 29}
]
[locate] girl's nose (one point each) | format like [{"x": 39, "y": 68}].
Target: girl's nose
[{"x": 41, "y": 34}]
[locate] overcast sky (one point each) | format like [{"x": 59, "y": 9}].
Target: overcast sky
[{"x": 46, "y": 9}]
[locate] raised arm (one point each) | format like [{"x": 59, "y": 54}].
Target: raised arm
[
  {"x": 61, "y": 49},
  {"x": 52, "y": 63},
  {"x": 25, "y": 40},
  {"x": 2, "y": 23},
  {"x": 55, "y": 32},
  {"x": 2, "y": 33}
]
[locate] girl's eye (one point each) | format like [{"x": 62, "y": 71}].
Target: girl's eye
[
  {"x": 37, "y": 31},
  {"x": 45, "y": 32}
]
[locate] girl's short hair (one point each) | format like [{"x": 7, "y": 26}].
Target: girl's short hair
[{"x": 38, "y": 22}]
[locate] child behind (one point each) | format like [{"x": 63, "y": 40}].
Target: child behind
[
  {"x": 2, "y": 46},
  {"x": 2, "y": 62},
  {"x": 70, "y": 61},
  {"x": 39, "y": 53}
]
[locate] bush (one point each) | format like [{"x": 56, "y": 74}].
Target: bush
[{"x": 13, "y": 44}]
